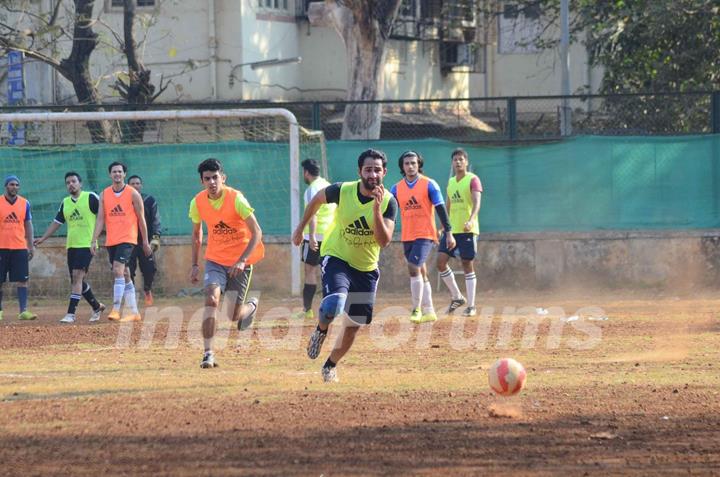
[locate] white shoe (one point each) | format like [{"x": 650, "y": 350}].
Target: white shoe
[
  {"x": 329, "y": 375},
  {"x": 69, "y": 318},
  {"x": 96, "y": 314}
]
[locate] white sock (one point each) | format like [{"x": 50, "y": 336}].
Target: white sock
[
  {"x": 427, "y": 303},
  {"x": 470, "y": 282},
  {"x": 118, "y": 290},
  {"x": 416, "y": 290},
  {"x": 449, "y": 278},
  {"x": 208, "y": 344},
  {"x": 130, "y": 299}
]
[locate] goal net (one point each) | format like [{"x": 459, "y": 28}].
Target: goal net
[{"x": 261, "y": 151}]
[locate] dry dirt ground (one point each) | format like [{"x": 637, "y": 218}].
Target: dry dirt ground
[{"x": 636, "y": 393}]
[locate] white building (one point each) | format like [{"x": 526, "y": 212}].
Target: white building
[{"x": 233, "y": 50}]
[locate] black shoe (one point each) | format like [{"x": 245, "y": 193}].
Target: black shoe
[
  {"x": 317, "y": 338},
  {"x": 456, "y": 303}
]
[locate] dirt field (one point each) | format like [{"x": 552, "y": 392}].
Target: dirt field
[{"x": 638, "y": 393}]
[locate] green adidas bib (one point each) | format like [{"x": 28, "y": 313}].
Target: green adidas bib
[
  {"x": 351, "y": 236},
  {"x": 80, "y": 221},
  {"x": 325, "y": 213},
  {"x": 460, "y": 199}
]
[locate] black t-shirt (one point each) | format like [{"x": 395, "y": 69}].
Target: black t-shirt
[
  {"x": 94, "y": 203},
  {"x": 332, "y": 196}
]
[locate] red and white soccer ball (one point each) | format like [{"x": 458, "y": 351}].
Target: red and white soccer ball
[{"x": 506, "y": 377}]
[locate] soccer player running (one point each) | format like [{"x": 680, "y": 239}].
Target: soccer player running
[
  {"x": 417, "y": 196},
  {"x": 313, "y": 233},
  {"x": 16, "y": 243},
  {"x": 121, "y": 213},
  {"x": 464, "y": 192},
  {"x": 363, "y": 224},
  {"x": 152, "y": 222},
  {"x": 79, "y": 211},
  {"x": 234, "y": 245}
]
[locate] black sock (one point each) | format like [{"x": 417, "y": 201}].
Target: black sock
[
  {"x": 88, "y": 295},
  {"x": 321, "y": 331},
  {"x": 329, "y": 364},
  {"x": 72, "y": 306},
  {"x": 308, "y": 294}
]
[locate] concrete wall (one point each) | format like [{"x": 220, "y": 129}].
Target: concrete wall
[{"x": 588, "y": 261}]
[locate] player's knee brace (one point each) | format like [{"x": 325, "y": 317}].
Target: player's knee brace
[{"x": 331, "y": 306}]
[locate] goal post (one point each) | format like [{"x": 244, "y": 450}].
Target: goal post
[{"x": 258, "y": 140}]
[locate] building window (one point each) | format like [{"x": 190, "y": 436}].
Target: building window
[
  {"x": 139, "y": 3},
  {"x": 274, "y": 4},
  {"x": 519, "y": 29}
]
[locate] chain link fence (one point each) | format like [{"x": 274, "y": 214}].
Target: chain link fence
[{"x": 490, "y": 120}]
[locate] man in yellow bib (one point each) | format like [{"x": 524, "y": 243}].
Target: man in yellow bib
[
  {"x": 314, "y": 233},
  {"x": 234, "y": 245},
  {"x": 79, "y": 211},
  {"x": 464, "y": 192},
  {"x": 363, "y": 224}
]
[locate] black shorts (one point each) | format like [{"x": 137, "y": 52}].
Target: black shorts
[
  {"x": 309, "y": 256},
  {"x": 465, "y": 246},
  {"x": 120, "y": 253},
  {"x": 78, "y": 259},
  {"x": 338, "y": 277},
  {"x": 15, "y": 264}
]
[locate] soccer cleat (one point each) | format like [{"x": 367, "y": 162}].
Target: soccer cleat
[
  {"x": 469, "y": 311},
  {"x": 114, "y": 315},
  {"x": 456, "y": 303},
  {"x": 329, "y": 374},
  {"x": 415, "y": 316},
  {"x": 69, "y": 318},
  {"x": 131, "y": 317},
  {"x": 309, "y": 315},
  {"x": 316, "y": 341},
  {"x": 428, "y": 317},
  {"x": 148, "y": 298},
  {"x": 27, "y": 315},
  {"x": 301, "y": 315},
  {"x": 208, "y": 360},
  {"x": 246, "y": 322},
  {"x": 96, "y": 313}
]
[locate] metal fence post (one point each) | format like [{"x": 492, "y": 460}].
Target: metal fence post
[
  {"x": 512, "y": 118},
  {"x": 715, "y": 112},
  {"x": 316, "y": 116}
]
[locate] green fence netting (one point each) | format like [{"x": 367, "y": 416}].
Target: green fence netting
[{"x": 580, "y": 184}]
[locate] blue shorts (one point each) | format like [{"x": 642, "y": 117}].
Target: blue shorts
[
  {"x": 360, "y": 287},
  {"x": 14, "y": 265},
  {"x": 417, "y": 251},
  {"x": 465, "y": 246}
]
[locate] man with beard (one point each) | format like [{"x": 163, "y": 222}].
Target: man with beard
[
  {"x": 364, "y": 224},
  {"x": 79, "y": 211},
  {"x": 16, "y": 243}
]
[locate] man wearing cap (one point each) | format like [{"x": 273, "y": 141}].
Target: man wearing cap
[{"x": 16, "y": 243}]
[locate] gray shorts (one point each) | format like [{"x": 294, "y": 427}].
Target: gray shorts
[{"x": 216, "y": 274}]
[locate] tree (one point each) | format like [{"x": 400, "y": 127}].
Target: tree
[
  {"x": 364, "y": 26},
  {"x": 37, "y": 35},
  {"x": 644, "y": 46}
]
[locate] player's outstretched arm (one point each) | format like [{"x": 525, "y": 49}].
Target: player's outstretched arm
[
  {"x": 29, "y": 238},
  {"x": 310, "y": 212},
  {"x": 52, "y": 228}
]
